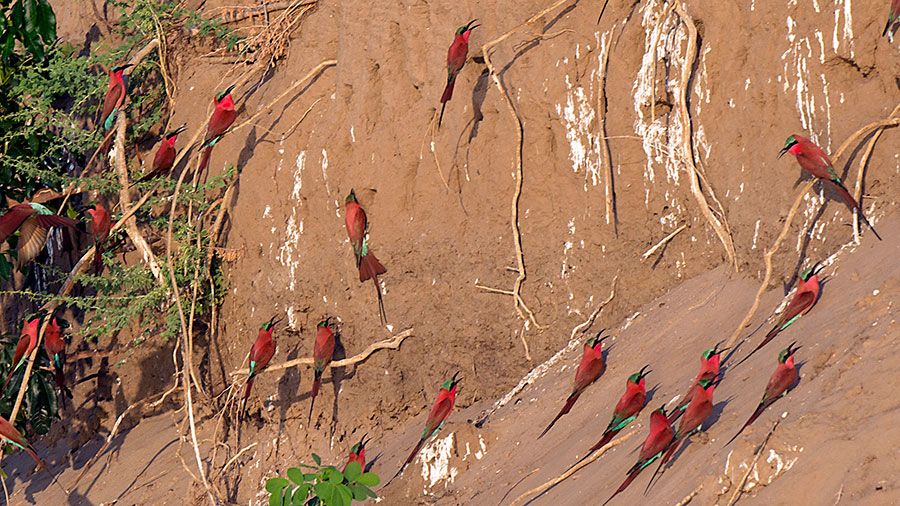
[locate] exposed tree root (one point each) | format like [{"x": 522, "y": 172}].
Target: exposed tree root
[
  {"x": 690, "y": 496},
  {"x": 740, "y": 485},
  {"x": 863, "y": 161},
  {"x": 662, "y": 243},
  {"x": 605, "y": 155},
  {"x": 721, "y": 227}
]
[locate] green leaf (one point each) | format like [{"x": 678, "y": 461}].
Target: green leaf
[
  {"x": 301, "y": 494},
  {"x": 354, "y": 469},
  {"x": 368, "y": 479},
  {"x": 327, "y": 492},
  {"x": 274, "y": 485},
  {"x": 344, "y": 494},
  {"x": 334, "y": 476},
  {"x": 317, "y": 458},
  {"x": 295, "y": 475},
  {"x": 359, "y": 492}
]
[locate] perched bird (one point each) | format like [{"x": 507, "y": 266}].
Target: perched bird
[
  {"x": 24, "y": 347},
  {"x": 55, "y": 346},
  {"x": 165, "y": 156},
  {"x": 699, "y": 409},
  {"x": 369, "y": 266},
  {"x": 115, "y": 97},
  {"x": 323, "y": 351},
  {"x": 709, "y": 369},
  {"x": 358, "y": 454},
  {"x": 893, "y": 15},
  {"x": 219, "y": 123},
  {"x": 591, "y": 367},
  {"x": 804, "y": 299},
  {"x": 630, "y": 404},
  {"x": 261, "y": 353},
  {"x": 456, "y": 59},
  {"x": 11, "y": 435},
  {"x": 443, "y": 405},
  {"x": 661, "y": 434},
  {"x": 32, "y": 220},
  {"x": 813, "y": 160},
  {"x": 101, "y": 223},
  {"x": 784, "y": 376}
]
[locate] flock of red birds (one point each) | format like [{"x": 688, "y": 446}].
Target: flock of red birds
[{"x": 33, "y": 221}]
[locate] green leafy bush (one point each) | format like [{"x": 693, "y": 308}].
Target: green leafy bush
[{"x": 324, "y": 486}]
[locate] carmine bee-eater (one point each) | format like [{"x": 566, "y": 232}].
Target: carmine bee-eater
[
  {"x": 709, "y": 369},
  {"x": 24, "y": 347},
  {"x": 165, "y": 156},
  {"x": 101, "y": 223},
  {"x": 443, "y": 405},
  {"x": 32, "y": 220},
  {"x": 261, "y": 353},
  {"x": 657, "y": 441},
  {"x": 369, "y": 266},
  {"x": 804, "y": 299},
  {"x": 55, "y": 346},
  {"x": 813, "y": 160},
  {"x": 323, "y": 351},
  {"x": 893, "y": 15},
  {"x": 591, "y": 367},
  {"x": 630, "y": 404},
  {"x": 699, "y": 409},
  {"x": 784, "y": 376},
  {"x": 12, "y": 436},
  {"x": 358, "y": 454},
  {"x": 219, "y": 123},
  {"x": 456, "y": 60},
  {"x": 115, "y": 97}
]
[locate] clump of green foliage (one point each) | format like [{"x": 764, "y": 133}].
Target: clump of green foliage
[{"x": 324, "y": 486}]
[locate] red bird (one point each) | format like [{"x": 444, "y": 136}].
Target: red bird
[
  {"x": 456, "y": 59},
  {"x": 219, "y": 123},
  {"x": 24, "y": 347},
  {"x": 894, "y": 15},
  {"x": 323, "y": 351},
  {"x": 630, "y": 404},
  {"x": 805, "y": 298},
  {"x": 591, "y": 367},
  {"x": 261, "y": 353},
  {"x": 369, "y": 266},
  {"x": 813, "y": 160},
  {"x": 55, "y": 346},
  {"x": 661, "y": 435},
  {"x": 32, "y": 220},
  {"x": 357, "y": 454},
  {"x": 101, "y": 223},
  {"x": 699, "y": 409},
  {"x": 784, "y": 376},
  {"x": 443, "y": 405},
  {"x": 115, "y": 97},
  {"x": 165, "y": 156},
  {"x": 11, "y": 435},
  {"x": 709, "y": 369}
]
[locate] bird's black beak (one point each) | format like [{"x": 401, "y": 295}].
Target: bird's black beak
[
  {"x": 782, "y": 152},
  {"x": 228, "y": 91},
  {"x": 471, "y": 26},
  {"x": 274, "y": 321},
  {"x": 363, "y": 441},
  {"x": 644, "y": 371},
  {"x": 455, "y": 380},
  {"x": 180, "y": 129},
  {"x": 791, "y": 350},
  {"x": 816, "y": 268}
]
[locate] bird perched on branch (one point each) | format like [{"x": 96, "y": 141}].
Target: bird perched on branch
[
  {"x": 219, "y": 122},
  {"x": 456, "y": 60},
  {"x": 165, "y": 156}
]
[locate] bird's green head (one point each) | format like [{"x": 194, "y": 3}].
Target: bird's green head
[
  {"x": 358, "y": 447},
  {"x": 324, "y": 323},
  {"x": 661, "y": 410},
  {"x": 787, "y": 352},
  {"x": 594, "y": 341},
  {"x": 788, "y": 144},
  {"x": 351, "y": 197},
  {"x": 450, "y": 384},
  {"x": 120, "y": 68},
  {"x": 468, "y": 27},
  {"x": 708, "y": 353},
  {"x": 638, "y": 376},
  {"x": 174, "y": 133},
  {"x": 812, "y": 271},
  {"x": 224, "y": 93},
  {"x": 271, "y": 323}
]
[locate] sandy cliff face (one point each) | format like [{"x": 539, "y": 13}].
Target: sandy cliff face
[{"x": 599, "y": 105}]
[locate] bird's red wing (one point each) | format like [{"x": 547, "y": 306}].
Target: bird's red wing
[
  {"x": 779, "y": 382},
  {"x": 32, "y": 237},
  {"x": 799, "y": 304},
  {"x": 55, "y": 220},
  {"x": 10, "y": 221},
  {"x": 112, "y": 99},
  {"x": 439, "y": 413}
]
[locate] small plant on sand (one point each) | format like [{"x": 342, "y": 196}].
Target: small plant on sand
[{"x": 324, "y": 486}]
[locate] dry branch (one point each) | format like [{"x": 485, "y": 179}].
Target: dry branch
[
  {"x": 606, "y": 156},
  {"x": 662, "y": 243},
  {"x": 863, "y": 161},
  {"x": 391, "y": 343},
  {"x": 574, "y": 468},
  {"x": 518, "y": 303},
  {"x": 690, "y": 496},
  {"x": 740, "y": 486},
  {"x": 721, "y": 227}
]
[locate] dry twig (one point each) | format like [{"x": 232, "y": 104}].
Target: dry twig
[
  {"x": 863, "y": 161},
  {"x": 740, "y": 486},
  {"x": 662, "y": 243},
  {"x": 690, "y": 496}
]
